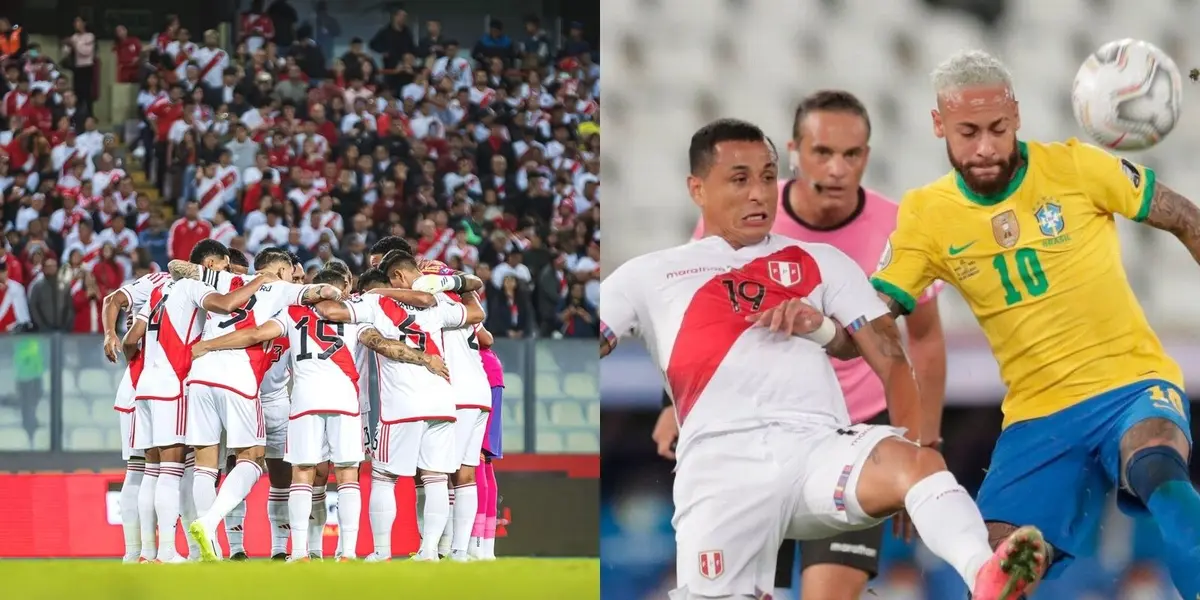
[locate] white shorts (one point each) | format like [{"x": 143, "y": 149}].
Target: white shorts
[
  {"x": 403, "y": 447},
  {"x": 159, "y": 423},
  {"x": 212, "y": 410},
  {"x": 317, "y": 437},
  {"x": 468, "y": 435},
  {"x": 275, "y": 409},
  {"x": 737, "y": 496},
  {"x": 128, "y": 426},
  {"x": 370, "y": 442}
]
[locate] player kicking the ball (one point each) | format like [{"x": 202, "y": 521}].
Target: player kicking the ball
[
  {"x": 766, "y": 449},
  {"x": 1025, "y": 231}
]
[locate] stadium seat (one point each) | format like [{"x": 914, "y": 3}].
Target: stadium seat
[
  {"x": 549, "y": 441},
  {"x": 566, "y": 413},
  {"x": 70, "y": 383},
  {"x": 514, "y": 411},
  {"x": 43, "y": 411},
  {"x": 514, "y": 439},
  {"x": 584, "y": 442},
  {"x": 101, "y": 382},
  {"x": 13, "y": 439},
  {"x": 41, "y": 438},
  {"x": 77, "y": 411},
  {"x": 514, "y": 385},
  {"x": 548, "y": 386},
  {"x": 82, "y": 439},
  {"x": 112, "y": 438},
  {"x": 581, "y": 385},
  {"x": 593, "y": 413},
  {"x": 9, "y": 416}
]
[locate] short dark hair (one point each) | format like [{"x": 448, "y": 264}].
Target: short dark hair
[
  {"x": 389, "y": 243},
  {"x": 337, "y": 266},
  {"x": 397, "y": 259},
  {"x": 208, "y": 249},
  {"x": 269, "y": 256},
  {"x": 830, "y": 101},
  {"x": 295, "y": 259},
  {"x": 371, "y": 279},
  {"x": 329, "y": 276},
  {"x": 705, "y": 140},
  {"x": 238, "y": 259}
]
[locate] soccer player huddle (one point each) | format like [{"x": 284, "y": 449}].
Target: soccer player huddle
[{"x": 265, "y": 372}]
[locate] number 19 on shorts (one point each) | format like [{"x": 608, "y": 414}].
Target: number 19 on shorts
[{"x": 1029, "y": 269}]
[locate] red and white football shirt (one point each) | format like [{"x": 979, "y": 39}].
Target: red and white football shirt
[
  {"x": 174, "y": 321},
  {"x": 241, "y": 370},
  {"x": 689, "y": 305},
  {"x": 137, "y": 294},
  {"x": 467, "y": 377},
  {"x": 410, "y": 392},
  {"x": 321, "y": 353}
]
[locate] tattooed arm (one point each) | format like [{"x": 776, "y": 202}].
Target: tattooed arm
[
  {"x": 880, "y": 345},
  {"x": 1172, "y": 212},
  {"x": 182, "y": 269},
  {"x": 320, "y": 292},
  {"x": 399, "y": 351}
]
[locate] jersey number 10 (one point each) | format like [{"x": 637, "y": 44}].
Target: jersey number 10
[{"x": 1029, "y": 268}]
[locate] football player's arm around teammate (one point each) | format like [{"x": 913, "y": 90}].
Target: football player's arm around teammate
[
  {"x": 129, "y": 346},
  {"x": 242, "y": 338},
  {"x": 409, "y": 297},
  {"x": 114, "y": 303},
  {"x": 400, "y": 351}
]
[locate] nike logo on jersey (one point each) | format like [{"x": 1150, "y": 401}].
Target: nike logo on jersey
[{"x": 956, "y": 250}]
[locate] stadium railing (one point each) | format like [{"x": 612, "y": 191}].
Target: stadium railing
[{"x": 57, "y": 390}]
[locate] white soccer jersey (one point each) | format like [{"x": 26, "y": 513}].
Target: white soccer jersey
[
  {"x": 137, "y": 294},
  {"x": 242, "y": 370},
  {"x": 689, "y": 305},
  {"x": 362, "y": 359},
  {"x": 467, "y": 377},
  {"x": 275, "y": 382},
  {"x": 321, "y": 354},
  {"x": 410, "y": 392},
  {"x": 174, "y": 320}
]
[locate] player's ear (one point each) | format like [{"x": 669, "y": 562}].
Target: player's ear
[
  {"x": 939, "y": 128},
  {"x": 1017, "y": 115},
  {"x": 696, "y": 190}
]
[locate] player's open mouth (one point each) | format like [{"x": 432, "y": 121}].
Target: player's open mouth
[{"x": 755, "y": 218}]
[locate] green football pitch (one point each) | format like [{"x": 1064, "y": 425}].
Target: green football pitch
[{"x": 515, "y": 578}]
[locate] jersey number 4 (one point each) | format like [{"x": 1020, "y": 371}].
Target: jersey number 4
[
  {"x": 156, "y": 316},
  {"x": 323, "y": 334},
  {"x": 1029, "y": 268}
]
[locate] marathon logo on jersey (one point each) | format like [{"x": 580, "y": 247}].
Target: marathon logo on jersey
[
  {"x": 786, "y": 274},
  {"x": 712, "y": 564},
  {"x": 1006, "y": 229},
  {"x": 1132, "y": 172}
]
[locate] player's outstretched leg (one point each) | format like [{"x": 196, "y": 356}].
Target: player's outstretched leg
[
  {"x": 1156, "y": 472},
  {"x": 382, "y": 510},
  {"x": 899, "y": 475},
  {"x": 135, "y": 470}
]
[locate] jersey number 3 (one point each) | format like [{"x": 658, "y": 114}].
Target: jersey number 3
[{"x": 1029, "y": 268}]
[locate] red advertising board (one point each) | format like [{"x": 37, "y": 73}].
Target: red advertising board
[{"x": 59, "y": 515}]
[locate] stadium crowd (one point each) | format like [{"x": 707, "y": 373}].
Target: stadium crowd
[{"x": 485, "y": 159}]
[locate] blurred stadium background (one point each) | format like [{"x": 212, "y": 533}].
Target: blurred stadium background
[{"x": 674, "y": 66}]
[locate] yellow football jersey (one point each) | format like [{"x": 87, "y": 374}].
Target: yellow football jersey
[{"x": 1040, "y": 266}]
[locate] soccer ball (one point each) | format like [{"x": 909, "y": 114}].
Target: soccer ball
[{"x": 1127, "y": 95}]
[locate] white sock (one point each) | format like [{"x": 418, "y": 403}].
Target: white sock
[
  {"x": 382, "y": 511},
  {"x": 187, "y": 504},
  {"x": 234, "y": 489},
  {"x": 277, "y": 513},
  {"x": 437, "y": 511},
  {"x": 299, "y": 508},
  {"x": 166, "y": 507},
  {"x": 316, "y": 523},
  {"x": 448, "y": 531},
  {"x": 147, "y": 522},
  {"x": 234, "y": 522},
  {"x": 949, "y": 523},
  {"x": 204, "y": 489},
  {"x": 420, "y": 507},
  {"x": 466, "y": 504},
  {"x": 130, "y": 488},
  {"x": 349, "y": 512}
]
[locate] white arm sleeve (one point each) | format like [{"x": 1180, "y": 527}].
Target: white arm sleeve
[
  {"x": 845, "y": 293},
  {"x": 451, "y": 314},
  {"x": 620, "y": 303}
]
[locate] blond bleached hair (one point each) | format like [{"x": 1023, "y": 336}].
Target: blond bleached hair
[{"x": 969, "y": 69}]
